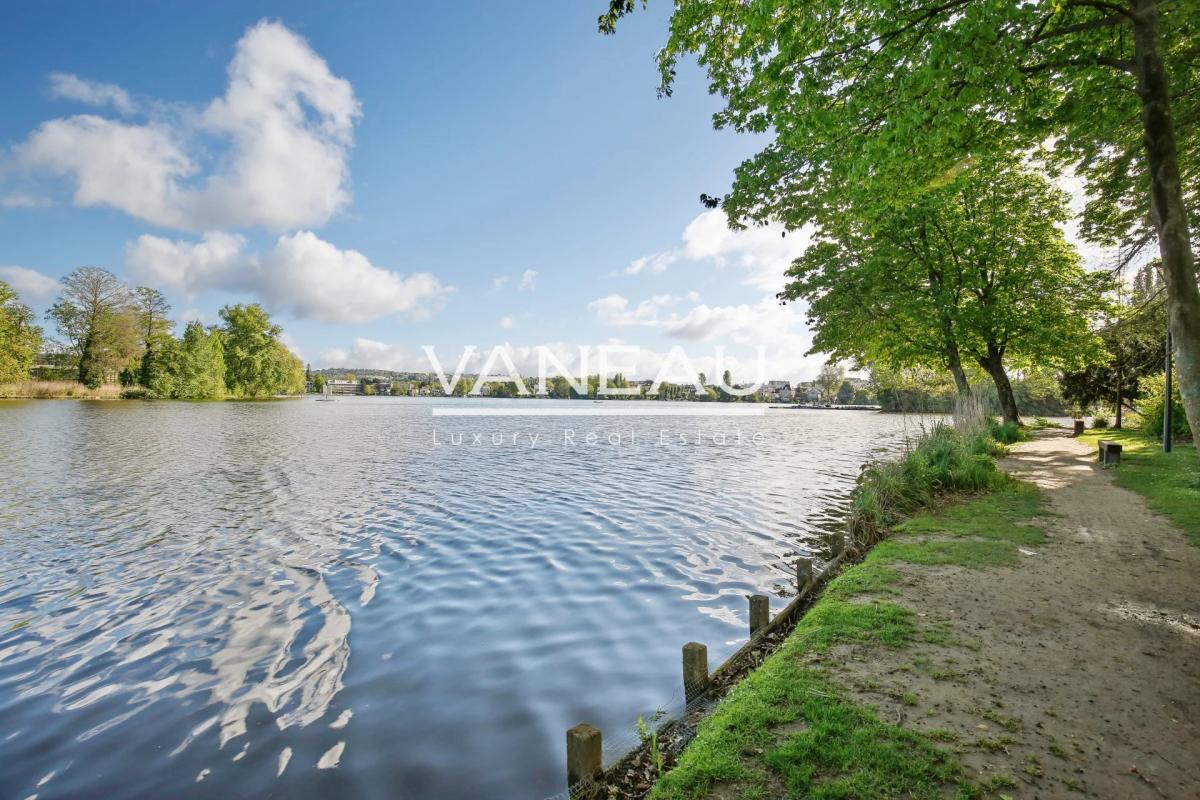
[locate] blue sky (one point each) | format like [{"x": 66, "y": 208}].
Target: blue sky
[{"x": 383, "y": 176}]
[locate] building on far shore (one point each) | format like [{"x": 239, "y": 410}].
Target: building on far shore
[
  {"x": 344, "y": 387},
  {"x": 778, "y": 391}
]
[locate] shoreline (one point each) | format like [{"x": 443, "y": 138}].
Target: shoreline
[{"x": 940, "y": 645}]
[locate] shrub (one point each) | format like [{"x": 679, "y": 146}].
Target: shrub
[
  {"x": 1151, "y": 406},
  {"x": 1006, "y": 433},
  {"x": 1100, "y": 422},
  {"x": 944, "y": 460}
]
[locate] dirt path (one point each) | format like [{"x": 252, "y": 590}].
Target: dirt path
[{"x": 1075, "y": 674}]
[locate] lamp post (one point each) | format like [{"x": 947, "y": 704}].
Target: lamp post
[{"x": 1168, "y": 400}]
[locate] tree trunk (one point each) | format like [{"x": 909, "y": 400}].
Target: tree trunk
[
  {"x": 1117, "y": 424},
  {"x": 1167, "y": 208},
  {"x": 954, "y": 362},
  {"x": 994, "y": 365}
]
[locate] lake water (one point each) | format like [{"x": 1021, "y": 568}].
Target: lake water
[{"x": 312, "y": 600}]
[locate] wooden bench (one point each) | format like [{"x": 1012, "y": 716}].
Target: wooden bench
[{"x": 1110, "y": 452}]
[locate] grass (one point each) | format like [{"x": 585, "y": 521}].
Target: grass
[
  {"x": 44, "y": 390},
  {"x": 1170, "y": 482},
  {"x": 983, "y": 532},
  {"x": 789, "y": 730}
]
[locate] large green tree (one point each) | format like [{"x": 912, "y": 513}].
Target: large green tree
[
  {"x": 1133, "y": 339},
  {"x": 94, "y": 313},
  {"x": 20, "y": 339},
  {"x": 257, "y": 364},
  {"x": 191, "y": 368},
  {"x": 877, "y": 99},
  {"x": 976, "y": 267},
  {"x": 150, "y": 308}
]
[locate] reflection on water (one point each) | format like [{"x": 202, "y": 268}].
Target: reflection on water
[{"x": 317, "y": 599}]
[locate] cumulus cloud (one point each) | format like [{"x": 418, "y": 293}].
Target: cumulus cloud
[
  {"x": 302, "y": 275},
  {"x": 92, "y": 93},
  {"x": 312, "y": 278},
  {"x": 215, "y": 262},
  {"x": 282, "y": 132},
  {"x": 499, "y": 283},
  {"x": 529, "y": 279},
  {"x": 375, "y": 355},
  {"x": 507, "y": 322},
  {"x": 23, "y": 201},
  {"x": 655, "y": 263},
  {"x": 29, "y": 284},
  {"x": 616, "y": 309}
]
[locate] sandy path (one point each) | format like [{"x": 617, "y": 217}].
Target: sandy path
[{"x": 1075, "y": 674}]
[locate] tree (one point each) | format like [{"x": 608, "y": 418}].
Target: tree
[
  {"x": 976, "y": 268},
  {"x": 876, "y": 100},
  {"x": 1133, "y": 341},
  {"x": 93, "y": 313},
  {"x": 318, "y": 383},
  {"x": 154, "y": 329},
  {"x": 845, "y": 393},
  {"x": 828, "y": 381},
  {"x": 20, "y": 339},
  {"x": 257, "y": 364},
  {"x": 197, "y": 366}
]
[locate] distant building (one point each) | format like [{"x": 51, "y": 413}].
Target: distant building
[
  {"x": 779, "y": 391},
  {"x": 344, "y": 387}
]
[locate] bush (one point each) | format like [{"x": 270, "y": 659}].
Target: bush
[
  {"x": 1006, "y": 433},
  {"x": 1100, "y": 422},
  {"x": 944, "y": 460},
  {"x": 1151, "y": 406}
]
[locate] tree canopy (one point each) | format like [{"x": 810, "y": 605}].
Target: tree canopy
[
  {"x": 20, "y": 339},
  {"x": 872, "y": 102},
  {"x": 976, "y": 268}
]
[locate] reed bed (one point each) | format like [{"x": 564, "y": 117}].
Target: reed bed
[{"x": 45, "y": 390}]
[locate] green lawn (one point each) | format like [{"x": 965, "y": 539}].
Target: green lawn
[
  {"x": 1170, "y": 482},
  {"x": 788, "y": 729}
]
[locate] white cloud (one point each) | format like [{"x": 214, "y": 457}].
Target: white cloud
[
  {"x": 290, "y": 343},
  {"x": 372, "y": 354},
  {"x": 507, "y": 323},
  {"x": 92, "y": 93},
  {"x": 23, "y": 201},
  {"x": 216, "y": 262},
  {"x": 616, "y": 310},
  {"x": 29, "y": 284},
  {"x": 529, "y": 279},
  {"x": 303, "y": 275},
  {"x": 282, "y": 131},
  {"x": 312, "y": 278},
  {"x": 655, "y": 262},
  {"x": 764, "y": 253},
  {"x": 499, "y": 283}
]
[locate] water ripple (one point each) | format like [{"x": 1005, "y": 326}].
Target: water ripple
[{"x": 311, "y": 599}]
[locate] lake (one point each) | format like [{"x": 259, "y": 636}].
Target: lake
[{"x": 301, "y": 599}]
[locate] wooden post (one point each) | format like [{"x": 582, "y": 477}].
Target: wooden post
[
  {"x": 760, "y": 612},
  {"x": 695, "y": 670},
  {"x": 803, "y": 574},
  {"x": 583, "y": 755},
  {"x": 1078, "y": 428},
  {"x": 837, "y": 543}
]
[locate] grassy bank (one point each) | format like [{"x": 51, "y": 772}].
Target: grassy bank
[
  {"x": 791, "y": 729},
  {"x": 1170, "y": 482},
  {"x": 52, "y": 390}
]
